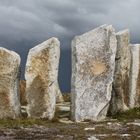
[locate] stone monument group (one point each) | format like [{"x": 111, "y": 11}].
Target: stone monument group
[{"x": 105, "y": 77}]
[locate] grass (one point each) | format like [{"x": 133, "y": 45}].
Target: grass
[
  {"x": 21, "y": 122},
  {"x": 127, "y": 115},
  {"x": 25, "y": 122},
  {"x": 53, "y": 129}
]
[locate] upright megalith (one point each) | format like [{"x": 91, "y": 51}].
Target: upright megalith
[
  {"x": 134, "y": 93},
  {"x": 9, "y": 80},
  {"x": 59, "y": 96},
  {"x": 93, "y": 64},
  {"x": 120, "y": 98},
  {"x": 41, "y": 79},
  {"x": 22, "y": 88}
]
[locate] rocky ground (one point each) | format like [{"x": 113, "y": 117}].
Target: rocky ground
[{"x": 61, "y": 128}]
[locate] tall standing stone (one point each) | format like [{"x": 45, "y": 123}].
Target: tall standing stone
[
  {"x": 9, "y": 79},
  {"x": 135, "y": 77},
  {"x": 41, "y": 79},
  {"x": 120, "y": 98},
  {"x": 22, "y": 88},
  {"x": 59, "y": 96},
  {"x": 93, "y": 63}
]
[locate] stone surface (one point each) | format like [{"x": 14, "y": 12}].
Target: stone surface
[
  {"x": 22, "y": 88},
  {"x": 120, "y": 98},
  {"x": 9, "y": 79},
  {"x": 135, "y": 77},
  {"x": 93, "y": 63},
  {"x": 59, "y": 97},
  {"x": 41, "y": 79}
]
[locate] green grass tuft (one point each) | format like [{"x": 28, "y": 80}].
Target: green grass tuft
[{"x": 127, "y": 115}]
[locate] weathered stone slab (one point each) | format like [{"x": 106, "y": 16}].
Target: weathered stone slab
[
  {"x": 93, "y": 64},
  {"x": 135, "y": 77},
  {"x": 41, "y": 79},
  {"x": 59, "y": 97},
  {"x": 120, "y": 98},
  {"x": 9, "y": 79},
  {"x": 22, "y": 88}
]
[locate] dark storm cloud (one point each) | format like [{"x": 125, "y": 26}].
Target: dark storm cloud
[
  {"x": 37, "y": 19},
  {"x": 25, "y": 23}
]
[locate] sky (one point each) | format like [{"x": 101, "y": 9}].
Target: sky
[{"x": 26, "y": 23}]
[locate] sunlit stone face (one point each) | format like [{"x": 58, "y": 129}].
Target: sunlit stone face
[{"x": 93, "y": 64}]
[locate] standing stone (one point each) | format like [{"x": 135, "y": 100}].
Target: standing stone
[
  {"x": 22, "y": 88},
  {"x": 41, "y": 79},
  {"x": 93, "y": 63},
  {"x": 120, "y": 98},
  {"x": 9, "y": 79},
  {"x": 135, "y": 76},
  {"x": 59, "y": 97}
]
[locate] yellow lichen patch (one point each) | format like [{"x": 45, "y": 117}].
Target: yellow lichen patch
[{"x": 97, "y": 67}]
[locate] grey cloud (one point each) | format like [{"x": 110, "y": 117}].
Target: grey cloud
[{"x": 30, "y": 20}]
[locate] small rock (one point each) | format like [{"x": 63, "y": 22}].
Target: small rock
[
  {"x": 134, "y": 123},
  {"x": 89, "y": 129},
  {"x": 92, "y": 138},
  {"x": 126, "y": 135}
]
